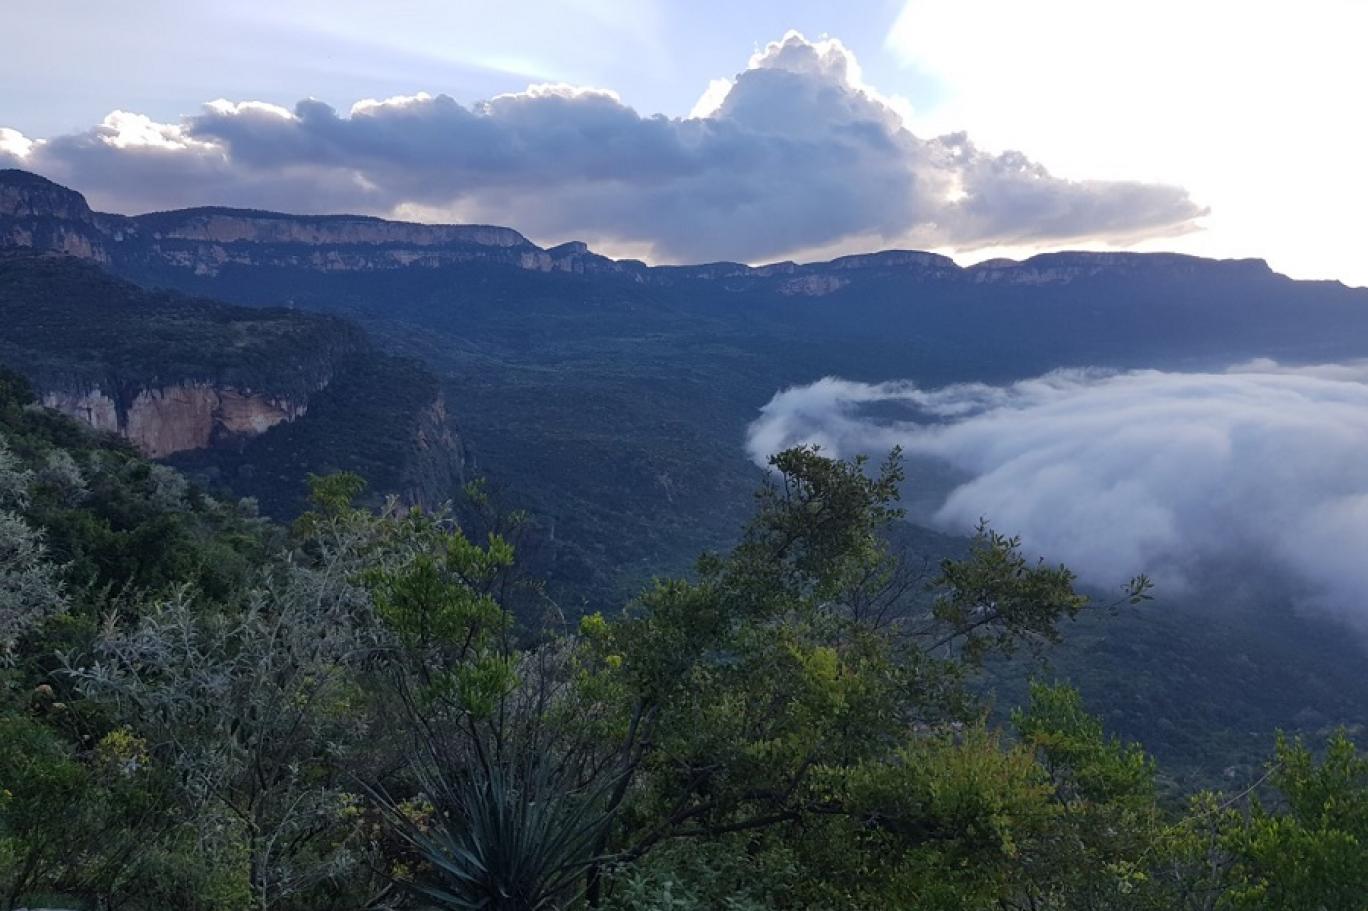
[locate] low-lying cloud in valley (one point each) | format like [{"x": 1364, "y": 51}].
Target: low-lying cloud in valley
[
  {"x": 1262, "y": 466},
  {"x": 795, "y": 154}
]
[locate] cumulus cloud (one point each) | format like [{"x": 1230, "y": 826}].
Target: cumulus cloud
[
  {"x": 1173, "y": 474},
  {"x": 14, "y": 145},
  {"x": 795, "y": 153}
]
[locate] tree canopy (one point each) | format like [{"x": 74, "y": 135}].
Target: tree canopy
[{"x": 202, "y": 709}]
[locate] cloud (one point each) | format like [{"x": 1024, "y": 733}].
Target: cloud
[
  {"x": 1175, "y": 474},
  {"x": 796, "y": 153},
  {"x": 1183, "y": 92},
  {"x": 14, "y": 145}
]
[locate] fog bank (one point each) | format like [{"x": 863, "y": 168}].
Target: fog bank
[{"x": 1262, "y": 465}]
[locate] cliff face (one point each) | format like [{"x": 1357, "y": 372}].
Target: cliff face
[
  {"x": 36, "y": 214},
  {"x": 167, "y": 372},
  {"x": 25, "y": 195},
  {"x": 207, "y": 240},
  {"x": 382, "y": 417},
  {"x": 435, "y": 468},
  {"x": 176, "y": 418},
  {"x": 1066, "y": 268},
  {"x": 254, "y": 398},
  {"x": 228, "y": 226},
  {"x": 39, "y": 215}
]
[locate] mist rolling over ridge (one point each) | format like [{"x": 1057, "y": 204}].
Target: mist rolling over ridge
[{"x": 1117, "y": 473}]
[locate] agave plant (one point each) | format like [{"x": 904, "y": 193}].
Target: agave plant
[{"x": 502, "y": 838}]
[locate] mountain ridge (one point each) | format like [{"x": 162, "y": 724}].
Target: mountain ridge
[
  {"x": 39, "y": 214},
  {"x": 607, "y": 401}
]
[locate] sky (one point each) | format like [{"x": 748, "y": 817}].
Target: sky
[{"x": 686, "y": 131}]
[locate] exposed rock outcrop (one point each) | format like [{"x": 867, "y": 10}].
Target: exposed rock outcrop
[
  {"x": 1065, "y": 268},
  {"x": 382, "y": 417},
  {"x": 436, "y": 466},
  {"x": 25, "y": 195},
  {"x": 167, "y": 372},
  {"x": 40, "y": 215},
  {"x": 176, "y": 418},
  {"x": 228, "y": 226},
  {"x": 813, "y": 285},
  {"x": 37, "y": 214}
]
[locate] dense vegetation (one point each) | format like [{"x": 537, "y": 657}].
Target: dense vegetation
[
  {"x": 71, "y": 324},
  {"x": 609, "y": 403},
  {"x": 614, "y": 409},
  {"x": 368, "y": 421},
  {"x": 614, "y": 413},
  {"x": 203, "y": 710},
  {"x": 72, "y": 327}
]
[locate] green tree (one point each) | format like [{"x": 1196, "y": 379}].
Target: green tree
[
  {"x": 1313, "y": 852},
  {"x": 256, "y": 708},
  {"x": 1099, "y": 849},
  {"x": 764, "y": 700}
]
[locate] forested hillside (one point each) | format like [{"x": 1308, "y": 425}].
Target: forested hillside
[
  {"x": 69, "y": 322},
  {"x": 616, "y": 414},
  {"x": 609, "y": 401},
  {"x": 247, "y": 399},
  {"x": 202, "y": 709},
  {"x": 609, "y": 398}
]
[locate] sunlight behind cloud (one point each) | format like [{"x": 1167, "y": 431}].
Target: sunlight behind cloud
[
  {"x": 14, "y": 143},
  {"x": 1219, "y": 96},
  {"x": 712, "y": 98},
  {"x": 125, "y": 130}
]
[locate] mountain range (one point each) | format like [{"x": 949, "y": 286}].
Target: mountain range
[{"x": 610, "y": 399}]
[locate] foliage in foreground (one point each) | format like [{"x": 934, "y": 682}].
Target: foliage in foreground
[{"x": 204, "y": 711}]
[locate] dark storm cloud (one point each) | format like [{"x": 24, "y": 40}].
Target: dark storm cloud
[{"x": 799, "y": 155}]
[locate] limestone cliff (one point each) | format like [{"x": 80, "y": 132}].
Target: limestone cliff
[
  {"x": 176, "y": 418},
  {"x": 167, "y": 372},
  {"x": 382, "y": 417},
  {"x": 25, "y": 195},
  {"x": 252, "y": 399},
  {"x": 435, "y": 468},
  {"x": 39, "y": 215},
  {"x": 1067, "y": 268},
  {"x": 36, "y": 214}
]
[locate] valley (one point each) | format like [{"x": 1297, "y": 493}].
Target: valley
[
  {"x": 611, "y": 400},
  {"x": 683, "y": 456}
]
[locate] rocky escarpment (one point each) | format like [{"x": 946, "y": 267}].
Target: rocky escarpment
[
  {"x": 169, "y": 419},
  {"x": 383, "y": 418},
  {"x": 38, "y": 215},
  {"x": 250, "y": 399},
  {"x": 41, "y": 216},
  {"x": 167, "y": 372},
  {"x": 1066, "y": 268},
  {"x": 25, "y": 195},
  {"x": 207, "y": 240},
  {"x": 434, "y": 469}
]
